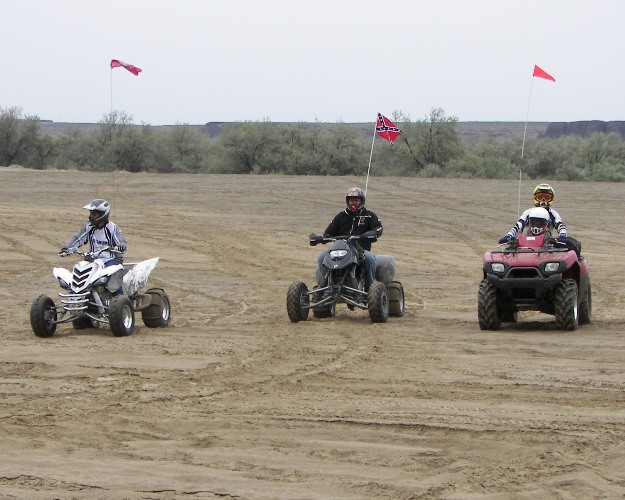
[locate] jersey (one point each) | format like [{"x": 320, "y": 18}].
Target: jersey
[
  {"x": 108, "y": 236},
  {"x": 347, "y": 224}
]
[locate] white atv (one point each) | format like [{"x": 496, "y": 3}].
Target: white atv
[{"x": 90, "y": 297}]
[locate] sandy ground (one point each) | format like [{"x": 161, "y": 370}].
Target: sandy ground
[{"x": 234, "y": 400}]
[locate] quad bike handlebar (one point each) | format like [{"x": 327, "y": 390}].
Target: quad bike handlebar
[
  {"x": 315, "y": 239},
  {"x": 89, "y": 256},
  {"x": 513, "y": 243}
]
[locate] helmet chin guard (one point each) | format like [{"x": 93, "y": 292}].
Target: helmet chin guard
[{"x": 538, "y": 219}]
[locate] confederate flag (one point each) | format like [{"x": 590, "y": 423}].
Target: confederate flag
[
  {"x": 386, "y": 129},
  {"x": 115, "y": 63}
]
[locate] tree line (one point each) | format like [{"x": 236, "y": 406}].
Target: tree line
[{"x": 430, "y": 147}]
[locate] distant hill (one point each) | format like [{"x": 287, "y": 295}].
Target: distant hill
[{"x": 584, "y": 129}]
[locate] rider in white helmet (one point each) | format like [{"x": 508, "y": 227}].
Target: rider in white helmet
[
  {"x": 538, "y": 222},
  {"x": 543, "y": 198},
  {"x": 100, "y": 233}
]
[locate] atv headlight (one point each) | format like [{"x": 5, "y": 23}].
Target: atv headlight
[
  {"x": 497, "y": 267},
  {"x": 102, "y": 280},
  {"x": 337, "y": 254},
  {"x": 552, "y": 267},
  {"x": 63, "y": 284}
]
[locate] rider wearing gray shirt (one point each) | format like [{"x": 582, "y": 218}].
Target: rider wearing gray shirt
[{"x": 100, "y": 233}]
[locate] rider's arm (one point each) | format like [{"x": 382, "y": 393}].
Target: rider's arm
[
  {"x": 520, "y": 224},
  {"x": 118, "y": 237},
  {"x": 376, "y": 225},
  {"x": 80, "y": 238},
  {"x": 557, "y": 222},
  {"x": 333, "y": 227}
]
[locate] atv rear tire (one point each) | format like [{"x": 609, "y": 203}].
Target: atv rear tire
[
  {"x": 297, "y": 301},
  {"x": 487, "y": 314},
  {"x": 585, "y": 308},
  {"x": 43, "y": 316},
  {"x": 378, "y": 302},
  {"x": 396, "y": 302},
  {"x": 158, "y": 313},
  {"x": 565, "y": 305},
  {"x": 121, "y": 316}
]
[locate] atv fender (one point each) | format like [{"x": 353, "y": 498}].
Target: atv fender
[{"x": 384, "y": 268}]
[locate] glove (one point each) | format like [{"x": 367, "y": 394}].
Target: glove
[
  {"x": 314, "y": 239},
  {"x": 563, "y": 239},
  {"x": 504, "y": 239},
  {"x": 119, "y": 248},
  {"x": 64, "y": 252}
]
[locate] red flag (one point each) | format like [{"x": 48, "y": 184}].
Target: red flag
[
  {"x": 541, "y": 73},
  {"x": 115, "y": 63},
  {"x": 386, "y": 129}
]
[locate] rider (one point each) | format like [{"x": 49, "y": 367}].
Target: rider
[
  {"x": 100, "y": 233},
  {"x": 543, "y": 197},
  {"x": 356, "y": 220}
]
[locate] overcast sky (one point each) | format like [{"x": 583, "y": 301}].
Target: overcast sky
[{"x": 308, "y": 60}]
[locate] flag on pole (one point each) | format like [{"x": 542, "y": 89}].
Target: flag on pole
[
  {"x": 386, "y": 129},
  {"x": 116, "y": 63},
  {"x": 541, "y": 73}
]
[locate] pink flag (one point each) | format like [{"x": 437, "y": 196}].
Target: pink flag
[
  {"x": 115, "y": 63},
  {"x": 541, "y": 73},
  {"x": 386, "y": 129}
]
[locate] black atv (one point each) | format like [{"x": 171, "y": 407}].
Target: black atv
[{"x": 343, "y": 282}]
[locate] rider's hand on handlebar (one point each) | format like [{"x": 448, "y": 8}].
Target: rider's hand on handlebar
[
  {"x": 119, "y": 248},
  {"x": 64, "y": 252},
  {"x": 314, "y": 239}
]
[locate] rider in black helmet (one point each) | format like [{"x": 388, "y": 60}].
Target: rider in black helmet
[{"x": 356, "y": 220}]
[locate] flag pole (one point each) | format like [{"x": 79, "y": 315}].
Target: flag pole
[
  {"x": 111, "y": 90},
  {"x": 370, "y": 157},
  {"x": 526, "y": 116},
  {"x": 518, "y": 208}
]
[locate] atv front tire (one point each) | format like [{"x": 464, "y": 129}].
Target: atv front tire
[
  {"x": 43, "y": 316},
  {"x": 487, "y": 314},
  {"x": 121, "y": 316},
  {"x": 297, "y": 302},
  {"x": 158, "y": 313},
  {"x": 378, "y": 302},
  {"x": 565, "y": 305}
]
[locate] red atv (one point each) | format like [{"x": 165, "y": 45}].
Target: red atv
[{"x": 534, "y": 273}]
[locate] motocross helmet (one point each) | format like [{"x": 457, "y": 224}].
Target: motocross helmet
[
  {"x": 357, "y": 193},
  {"x": 543, "y": 195},
  {"x": 99, "y": 211},
  {"x": 538, "y": 220}
]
